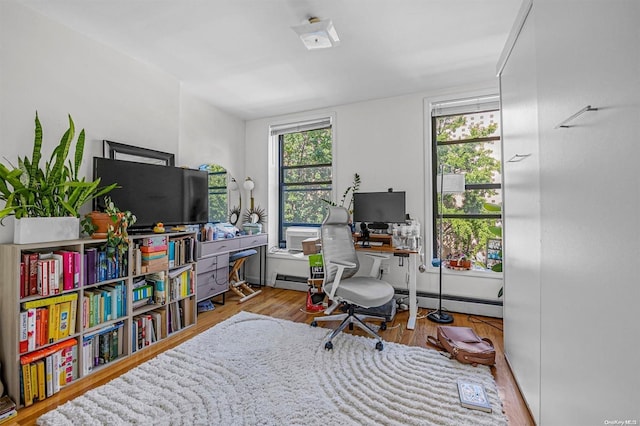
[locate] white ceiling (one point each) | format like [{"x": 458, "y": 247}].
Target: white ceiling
[{"x": 243, "y": 57}]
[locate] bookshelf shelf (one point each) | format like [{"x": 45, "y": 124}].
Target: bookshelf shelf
[{"x": 80, "y": 319}]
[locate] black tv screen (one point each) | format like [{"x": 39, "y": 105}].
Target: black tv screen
[
  {"x": 155, "y": 193},
  {"x": 379, "y": 207}
]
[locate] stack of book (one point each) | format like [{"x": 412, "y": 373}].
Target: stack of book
[
  {"x": 7, "y": 409},
  {"x": 45, "y": 321},
  {"x": 153, "y": 254},
  {"x": 102, "y": 346},
  {"x": 45, "y": 371},
  {"x": 49, "y": 273}
]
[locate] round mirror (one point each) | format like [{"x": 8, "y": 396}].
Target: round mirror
[{"x": 234, "y": 215}]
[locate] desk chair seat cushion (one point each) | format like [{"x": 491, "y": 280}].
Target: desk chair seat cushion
[
  {"x": 366, "y": 292},
  {"x": 241, "y": 254}
]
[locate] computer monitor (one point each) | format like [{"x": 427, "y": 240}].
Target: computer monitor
[{"x": 379, "y": 207}]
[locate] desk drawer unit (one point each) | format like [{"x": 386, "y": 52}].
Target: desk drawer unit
[
  {"x": 209, "y": 248},
  {"x": 213, "y": 276},
  {"x": 253, "y": 241}
]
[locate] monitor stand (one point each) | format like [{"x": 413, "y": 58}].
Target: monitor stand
[{"x": 379, "y": 227}]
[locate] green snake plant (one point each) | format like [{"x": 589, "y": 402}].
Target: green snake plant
[{"x": 55, "y": 190}]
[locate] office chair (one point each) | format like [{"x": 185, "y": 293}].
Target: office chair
[{"x": 340, "y": 284}]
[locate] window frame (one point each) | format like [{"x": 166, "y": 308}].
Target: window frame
[
  {"x": 434, "y": 144},
  {"x": 278, "y": 134}
]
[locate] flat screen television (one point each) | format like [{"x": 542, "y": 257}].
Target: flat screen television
[
  {"x": 379, "y": 207},
  {"x": 155, "y": 193}
]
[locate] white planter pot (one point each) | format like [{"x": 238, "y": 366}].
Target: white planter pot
[{"x": 43, "y": 229}]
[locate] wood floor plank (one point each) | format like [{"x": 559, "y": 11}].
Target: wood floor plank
[{"x": 290, "y": 305}]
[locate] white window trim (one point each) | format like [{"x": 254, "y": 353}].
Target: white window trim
[
  {"x": 272, "y": 201},
  {"x": 428, "y": 105}
]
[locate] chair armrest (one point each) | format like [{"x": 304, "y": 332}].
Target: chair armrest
[
  {"x": 377, "y": 261},
  {"x": 344, "y": 264},
  {"x": 341, "y": 265}
]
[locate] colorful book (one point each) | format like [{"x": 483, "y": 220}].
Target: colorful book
[
  {"x": 66, "y": 259},
  {"x": 92, "y": 265},
  {"x": 65, "y": 316},
  {"x": 31, "y": 259},
  {"x": 154, "y": 249},
  {"x": 24, "y": 337},
  {"x": 154, "y": 241},
  {"x": 6, "y": 405},
  {"x": 58, "y": 278},
  {"x": 31, "y": 329},
  {"x": 77, "y": 261},
  {"x": 34, "y": 381},
  {"x": 42, "y": 379},
  {"x": 54, "y": 322},
  {"x": 27, "y": 393},
  {"x": 155, "y": 255},
  {"x": 50, "y": 300}
]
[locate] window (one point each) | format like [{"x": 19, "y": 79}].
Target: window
[
  {"x": 217, "y": 192},
  {"x": 305, "y": 174},
  {"x": 466, "y": 139}
]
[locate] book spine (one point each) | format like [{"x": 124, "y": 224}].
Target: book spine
[
  {"x": 77, "y": 261},
  {"x": 33, "y": 273},
  {"x": 24, "y": 333},
  {"x": 27, "y": 396},
  {"x": 49, "y": 375},
  {"x": 31, "y": 329},
  {"x": 92, "y": 263},
  {"x": 50, "y": 301},
  {"x": 42, "y": 393},
  {"x": 67, "y": 269}
]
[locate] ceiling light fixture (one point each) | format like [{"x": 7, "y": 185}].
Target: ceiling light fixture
[{"x": 317, "y": 33}]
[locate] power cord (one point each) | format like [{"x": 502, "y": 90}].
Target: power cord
[{"x": 476, "y": 320}]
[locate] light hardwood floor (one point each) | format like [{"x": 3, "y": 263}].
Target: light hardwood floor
[{"x": 289, "y": 304}]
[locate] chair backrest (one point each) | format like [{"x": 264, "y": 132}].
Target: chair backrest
[{"x": 337, "y": 243}]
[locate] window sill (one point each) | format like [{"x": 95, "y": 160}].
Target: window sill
[
  {"x": 277, "y": 253},
  {"x": 478, "y": 273}
]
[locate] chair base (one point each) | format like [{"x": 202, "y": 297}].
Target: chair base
[
  {"x": 349, "y": 319},
  {"x": 243, "y": 290}
]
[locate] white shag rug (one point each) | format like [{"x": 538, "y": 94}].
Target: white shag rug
[{"x": 257, "y": 370}]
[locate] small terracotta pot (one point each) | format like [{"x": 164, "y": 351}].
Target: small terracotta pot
[{"x": 101, "y": 221}]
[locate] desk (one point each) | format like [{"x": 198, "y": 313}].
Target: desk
[
  {"x": 413, "y": 259},
  {"x": 213, "y": 262}
]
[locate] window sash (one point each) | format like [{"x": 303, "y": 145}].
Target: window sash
[{"x": 455, "y": 108}]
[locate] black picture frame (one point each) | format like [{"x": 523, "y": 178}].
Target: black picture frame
[{"x": 121, "y": 151}]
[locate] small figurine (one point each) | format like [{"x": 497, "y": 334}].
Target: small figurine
[{"x": 159, "y": 228}]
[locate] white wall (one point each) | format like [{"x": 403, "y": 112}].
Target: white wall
[
  {"x": 384, "y": 141},
  {"x": 44, "y": 66},
  {"x": 209, "y": 135}
]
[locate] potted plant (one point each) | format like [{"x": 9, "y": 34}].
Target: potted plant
[
  {"x": 32, "y": 192},
  {"x": 112, "y": 224}
]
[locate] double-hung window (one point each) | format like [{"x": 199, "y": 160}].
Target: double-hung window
[
  {"x": 305, "y": 163},
  {"x": 466, "y": 140},
  {"x": 217, "y": 192}
]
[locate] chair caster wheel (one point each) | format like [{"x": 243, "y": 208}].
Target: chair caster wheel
[
  {"x": 383, "y": 326},
  {"x": 379, "y": 346},
  {"x": 314, "y": 323},
  {"x": 328, "y": 346}
]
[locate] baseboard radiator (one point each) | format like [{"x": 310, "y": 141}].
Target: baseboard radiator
[{"x": 291, "y": 282}]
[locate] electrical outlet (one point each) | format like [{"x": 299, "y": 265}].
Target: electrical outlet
[{"x": 384, "y": 267}]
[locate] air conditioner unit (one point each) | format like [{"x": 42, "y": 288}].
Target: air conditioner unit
[{"x": 295, "y": 235}]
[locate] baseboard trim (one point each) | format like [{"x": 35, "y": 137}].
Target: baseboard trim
[
  {"x": 465, "y": 299},
  {"x": 515, "y": 379}
]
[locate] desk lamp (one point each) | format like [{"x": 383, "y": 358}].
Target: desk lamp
[{"x": 450, "y": 183}]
